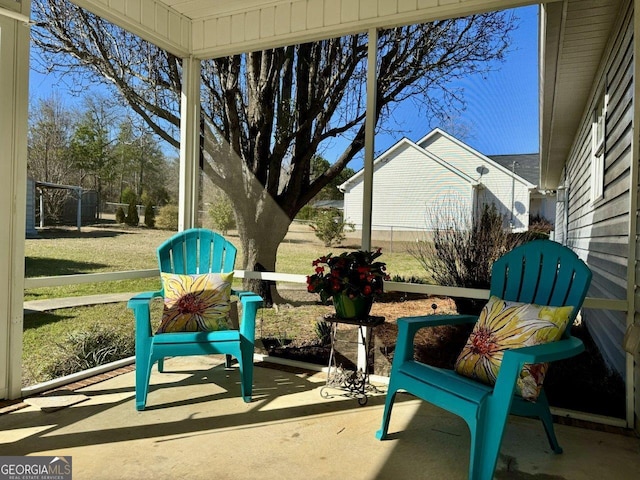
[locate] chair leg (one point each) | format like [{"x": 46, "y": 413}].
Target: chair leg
[
  {"x": 143, "y": 375},
  {"x": 487, "y": 427},
  {"x": 485, "y": 447},
  {"x": 386, "y": 416},
  {"x": 161, "y": 365},
  {"x": 245, "y": 365},
  {"x": 227, "y": 361},
  {"x": 544, "y": 413}
]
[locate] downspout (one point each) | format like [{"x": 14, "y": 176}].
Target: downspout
[
  {"x": 565, "y": 211},
  {"x": 513, "y": 192},
  {"x": 41, "y": 200}
]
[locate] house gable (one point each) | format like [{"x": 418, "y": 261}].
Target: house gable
[
  {"x": 509, "y": 192},
  {"x": 394, "y": 151},
  {"x": 408, "y": 181},
  {"x": 462, "y": 156}
]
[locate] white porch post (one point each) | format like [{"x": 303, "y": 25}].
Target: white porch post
[
  {"x": 369, "y": 153},
  {"x": 189, "y": 144},
  {"x": 14, "y": 98},
  {"x": 369, "y": 140}
]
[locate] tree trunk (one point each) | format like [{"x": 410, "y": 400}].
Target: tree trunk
[{"x": 261, "y": 235}]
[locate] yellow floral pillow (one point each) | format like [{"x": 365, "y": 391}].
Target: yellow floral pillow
[
  {"x": 505, "y": 325},
  {"x": 194, "y": 303}
]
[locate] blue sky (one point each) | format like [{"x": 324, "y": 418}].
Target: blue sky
[{"x": 502, "y": 110}]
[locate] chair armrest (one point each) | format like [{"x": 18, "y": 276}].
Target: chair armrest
[
  {"x": 437, "y": 320},
  {"x": 144, "y": 297},
  {"x": 513, "y": 360},
  {"x": 140, "y": 304},
  {"x": 547, "y": 352},
  {"x": 250, "y": 304},
  {"x": 242, "y": 293},
  {"x": 409, "y": 326}
]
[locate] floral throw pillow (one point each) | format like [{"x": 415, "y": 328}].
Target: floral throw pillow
[
  {"x": 195, "y": 303},
  {"x": 504, "y": 325}
]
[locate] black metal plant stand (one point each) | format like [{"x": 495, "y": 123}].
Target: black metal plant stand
[{"x": 354, "y": 384}]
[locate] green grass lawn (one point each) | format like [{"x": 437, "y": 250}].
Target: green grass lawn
[
  {"x": 113, "y": 248},
  {"x": 46, "y": 336}
]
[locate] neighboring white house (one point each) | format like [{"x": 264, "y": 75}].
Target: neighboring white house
[
  {"x": 413, "y": 180},
  {"x": 542, "y": 203}
]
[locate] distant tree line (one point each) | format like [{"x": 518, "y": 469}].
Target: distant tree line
[{"x": 96, "y": 147}]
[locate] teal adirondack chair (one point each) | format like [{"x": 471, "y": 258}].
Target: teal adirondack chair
[
  {"x": 541, "y": 272},
  {"x": 194, "y": 251}
]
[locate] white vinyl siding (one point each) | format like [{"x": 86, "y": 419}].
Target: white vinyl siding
[
  {"x": 209, "y": 29},
  {"x": 406, "y": 186},
  {"x": 510, "y": 195}
]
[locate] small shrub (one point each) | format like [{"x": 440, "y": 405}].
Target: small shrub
[
  {"x": 412, "y": 279},
  {"x": 461, "y": 251},
  {"x": 222, "y": 216},
  {"x": 149, "y": 215},
  {"x": 330, "y": 227},
  {"x": 82, "y": 350},
  {"x": 120, "y": 215},
  {"x": 323, "y": 332},
  {"x": 128, "y": 196},
  {"x": 167, "y": 217},
  {"x": 307, "y": 213},
  {"x": 540, "y": 224},
  {"x": 133, "y": 219}
]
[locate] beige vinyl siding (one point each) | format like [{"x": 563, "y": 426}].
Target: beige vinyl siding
[
  {"x": 511, "y": 197},
  {"x": 152, "y": 20},
  {"x": 407, "y": 186},
  {"x": 213, "y": 28},
  {"x": 270, "y": 25},
  {"x": 599, "y": 231}
]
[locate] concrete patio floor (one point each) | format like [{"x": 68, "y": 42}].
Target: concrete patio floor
[{"x": 196, "y": 426}]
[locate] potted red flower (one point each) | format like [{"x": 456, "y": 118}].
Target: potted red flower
[{"x": 351, "y": 279}]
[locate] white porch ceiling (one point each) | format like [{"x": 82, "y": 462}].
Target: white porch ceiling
[
  {"x": 210, "y": 28},
  {"x": 576, "y": 35}
]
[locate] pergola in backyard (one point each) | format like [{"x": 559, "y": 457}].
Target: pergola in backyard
[{"x": 201, "y": 29}]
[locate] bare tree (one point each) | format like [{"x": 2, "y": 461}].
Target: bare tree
[
  {"x": 266, "y": 114},
  {"x": 50, "y": 130}
]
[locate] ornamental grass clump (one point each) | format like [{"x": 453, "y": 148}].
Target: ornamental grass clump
[{"x": 352, "y": 273}]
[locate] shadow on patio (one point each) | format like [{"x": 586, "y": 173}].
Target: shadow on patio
[{"x": 197, "y": 426}]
